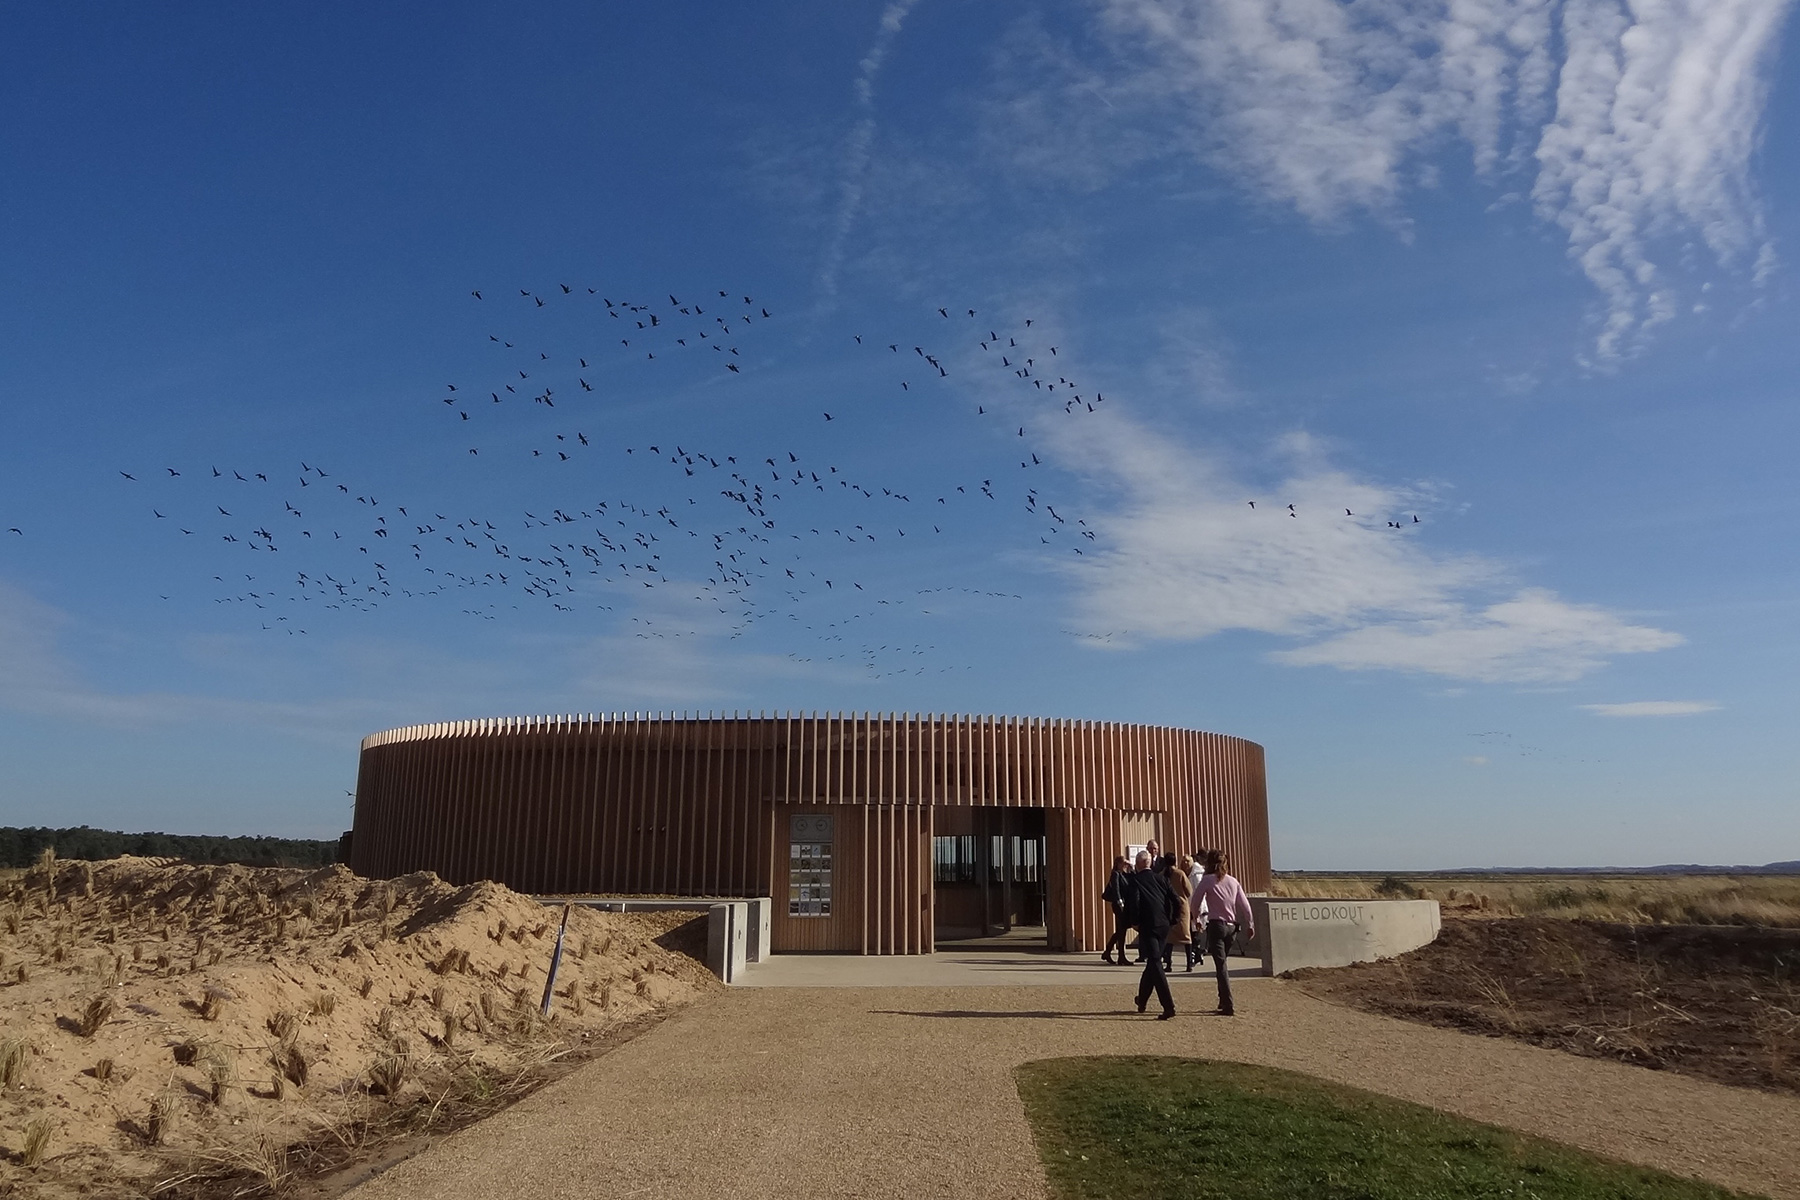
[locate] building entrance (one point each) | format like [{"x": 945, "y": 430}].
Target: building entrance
[{"x": 988, "y": 873}]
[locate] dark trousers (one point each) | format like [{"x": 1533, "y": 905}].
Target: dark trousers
[
  {"x": 1154, "y": 977},
  {"x": 1218, "y": 945},
  {"x": 1121, "y": 927}
]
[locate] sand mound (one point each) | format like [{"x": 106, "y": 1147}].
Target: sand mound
[{"x": 158, "y": 1018}]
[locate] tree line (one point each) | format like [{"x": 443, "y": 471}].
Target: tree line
[{"x": 20, "y": 847}]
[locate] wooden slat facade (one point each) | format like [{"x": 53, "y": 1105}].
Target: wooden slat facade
[{"x": 680, "y": 805}]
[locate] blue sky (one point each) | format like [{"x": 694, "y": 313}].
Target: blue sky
[{"x": 1517, "y": 268}]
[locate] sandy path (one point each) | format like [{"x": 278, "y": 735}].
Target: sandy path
[{"x": 909, "y": 1092}]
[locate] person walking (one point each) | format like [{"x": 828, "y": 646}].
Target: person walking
[
  {"x": 1154, "y": 849},
  {"x": 1227, "y": 911},
  {"x": 1118, "y": 896},
  {"x": 1179, "y": 929},
  {"x": 1191, "y": 874},
  {"x": 1153, "y": 906}
]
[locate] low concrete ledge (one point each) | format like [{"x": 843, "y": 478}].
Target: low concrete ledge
[
  {"x": 737, "y": 929},
  {"x": 1291, "y": 934}
]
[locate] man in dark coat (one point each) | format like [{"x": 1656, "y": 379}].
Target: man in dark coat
[
  {"x": 1152, "y": 904},
  {"x": 1118, "y": 897}
]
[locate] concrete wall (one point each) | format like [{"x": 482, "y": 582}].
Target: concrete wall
[
  {"x": 1333, "y": 933},
  {"x": 737, "y": 931}
]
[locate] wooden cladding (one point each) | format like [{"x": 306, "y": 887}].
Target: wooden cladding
[{"x": 700, "y": 806}]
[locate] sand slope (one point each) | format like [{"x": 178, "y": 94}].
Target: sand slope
[{"x": 162, "y": 1017}]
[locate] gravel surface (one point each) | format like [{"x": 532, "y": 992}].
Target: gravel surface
[{"x": 909, "y": 1092}]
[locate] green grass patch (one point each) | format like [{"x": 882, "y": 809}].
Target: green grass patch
[{"x": 1142, "y": 1128}]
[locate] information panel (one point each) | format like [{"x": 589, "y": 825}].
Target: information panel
[{"x": 809, "y": 866}]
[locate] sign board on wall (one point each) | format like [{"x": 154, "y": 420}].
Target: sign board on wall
[{"x": 809, "y": 865}]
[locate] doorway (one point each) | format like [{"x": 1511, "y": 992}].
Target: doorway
[{"x": 989, "y": 875}]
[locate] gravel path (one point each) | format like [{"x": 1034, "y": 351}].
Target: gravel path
[{"x": 909, "y": 1092}]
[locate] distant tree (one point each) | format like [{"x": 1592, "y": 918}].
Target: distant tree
[{"x": 20, "y": 847}]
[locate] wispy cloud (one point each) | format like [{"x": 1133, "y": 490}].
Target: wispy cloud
[
  {"x": 1657, "y": 114},
  {"x": 665, "y": 653},
  {"x": 1653, "y": 708},
  {"x": 1184, "y": 554},
  {"x": 853, "y": 173},
  {"x": 1535, "y": 637},
  {"x": 39, "y": 678},
  {"x": 1639, "y": 119}
]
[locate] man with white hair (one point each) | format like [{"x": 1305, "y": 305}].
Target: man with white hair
[{"x": 1153, "y": 904}]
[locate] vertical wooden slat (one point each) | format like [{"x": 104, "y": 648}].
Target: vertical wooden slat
[{"x": 631, "y": 802}]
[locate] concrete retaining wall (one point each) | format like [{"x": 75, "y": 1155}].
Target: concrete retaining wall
[
  {"x": 737, "y": 930},
  {"x": 1333, "y": 933}
]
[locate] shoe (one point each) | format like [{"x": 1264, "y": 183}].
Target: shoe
[
  {"x": 1107, "y": 959},
  {"x": 1142, "y": 1001},
  {"x": 1165, "y": 1014},
  {"x": 1224, "y": 1012},
  {"x": 1190, "y": 969}
]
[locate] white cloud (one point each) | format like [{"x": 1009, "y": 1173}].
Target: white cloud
[
  {"x": 1184, "y": 555},
  {"x": 666, "y": 653},
  {"x": 1535, "y": 637},
  {"x": 1640, "y": 126},
  {"x": 857, "y": 148},
  {"x": 39, "y": 678},
  {"x": 1657, "y": 109},
  {"x": 1319, "y": 103},
  {"x": 1653, "y": 708}
]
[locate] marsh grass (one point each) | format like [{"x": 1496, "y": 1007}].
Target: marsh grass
[
  {"x": 1763, "y": 900},
  {"x": 1142, "y": 1128}
]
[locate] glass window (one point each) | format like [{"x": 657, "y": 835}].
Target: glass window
[{"x": 953, "y": 859}]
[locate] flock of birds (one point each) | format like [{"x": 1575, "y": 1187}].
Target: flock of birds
[{"x": 733, "y": 535}]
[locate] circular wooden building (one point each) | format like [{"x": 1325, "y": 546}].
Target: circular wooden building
[{"x": 874, "y": 833}]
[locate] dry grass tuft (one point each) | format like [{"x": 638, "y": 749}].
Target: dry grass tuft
[
  {"x": 387, "y": 1075},
  {"x": 456, "y": 959},
  {"x": 368, "y": 985},
  {"x": 284, "y": 1025},
  {"x": 263, "y": 1158},
  {"x": 38, "y": 1133},
  {"x": 15, "y": 1057},
  {"x": 97, "y": 1012},
  {"x": 102, "y": 1070},
  {"x": 165, "y": 1114},
  {"x": 291, "y": 1062},
  {"x": 213, "y": 1001},
  {"x": 324, "y": 1004},
  {"x": 221, "y": 1070}
]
